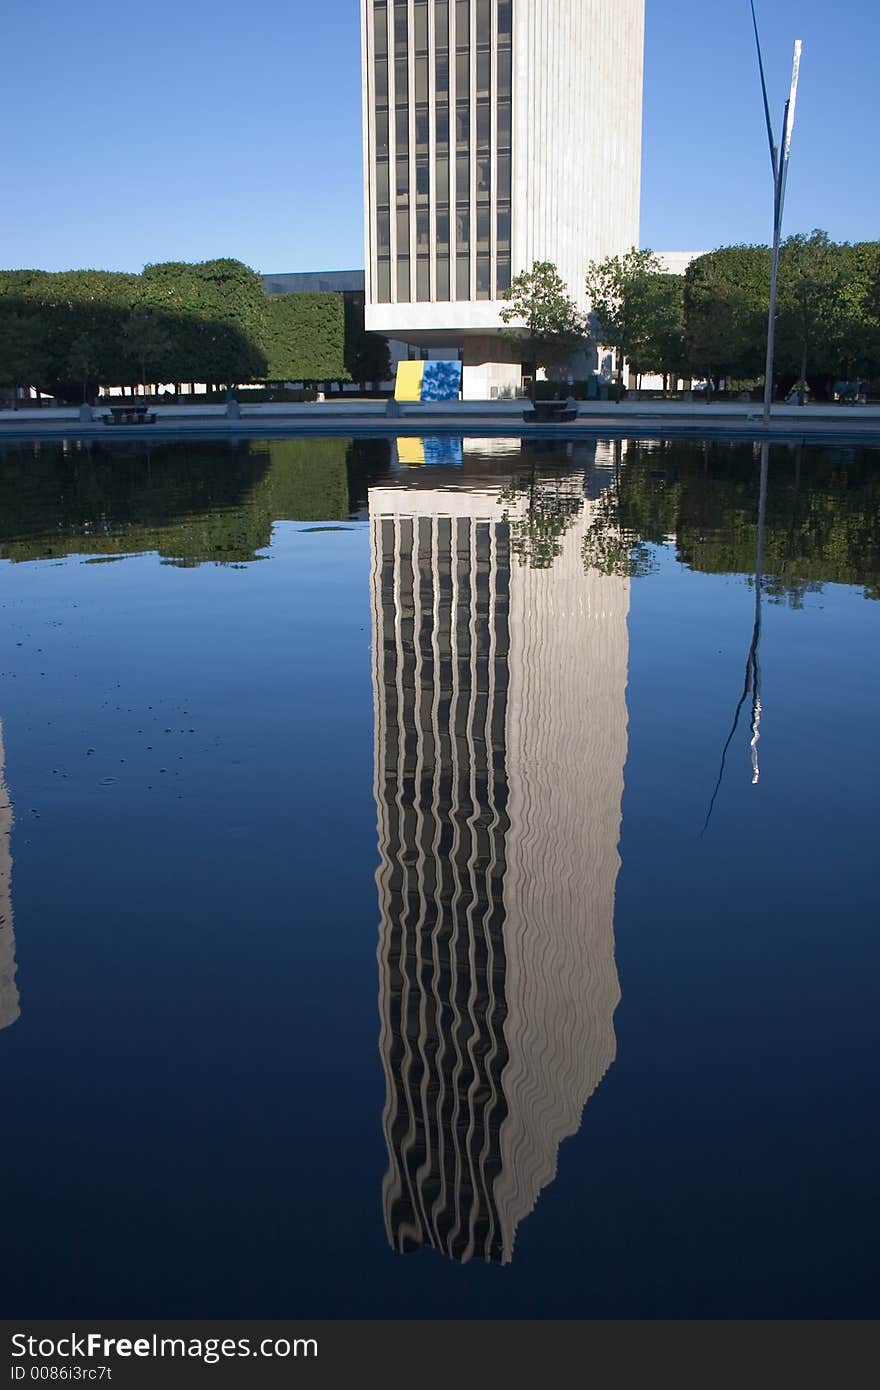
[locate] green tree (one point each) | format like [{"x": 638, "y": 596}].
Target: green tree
[
  {"x": 367, "y": 358},
  {"x": 859, "y": 347},
  {"x": 145, "y": 341},
  {"x": 726, "y": 303},
  {"x": 661, "y": 346},
  {"x": 66, "y": 305},
  {"x": 82, "y": 361},
  {"x": 871, "y": 296},
  {"x": 620, "y": 290},
  {"x": 24, "y": 358},
  {"x": 219, "y": 312},
  {"x": 811, "y": 305},
  {"x": 870, "y": 312},
  {"x": 548, "y": 319}
]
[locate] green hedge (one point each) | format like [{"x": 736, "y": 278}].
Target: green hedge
[
  {"x": 65, "y": 332},
  {"x": 305, "y": 337}
]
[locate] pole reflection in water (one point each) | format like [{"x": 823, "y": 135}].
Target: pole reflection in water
[
  {"x": 501, "y": 737},
  {"x": 752, "y": 682},
  {"x": 753, "y": 675},
  {"x": 9, "y": 1007}
]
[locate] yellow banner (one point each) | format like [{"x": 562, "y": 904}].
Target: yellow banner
[
  {"x": 411, "y": 452},
  {"x": 408, "y": 386}
]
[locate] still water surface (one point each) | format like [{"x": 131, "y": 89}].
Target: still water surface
[{"x": 424, "y": 888}]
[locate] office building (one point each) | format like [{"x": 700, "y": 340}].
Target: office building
[{"x": 497, "y": 133}]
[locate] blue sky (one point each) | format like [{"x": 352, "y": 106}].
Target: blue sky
[{"x": 191, "y": 131}]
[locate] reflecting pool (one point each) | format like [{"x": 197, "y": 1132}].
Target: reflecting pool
[{"x": 436, "y": 879}]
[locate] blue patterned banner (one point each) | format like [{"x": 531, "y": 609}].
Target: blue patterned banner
[
  {"x": 441, "y": 381},
  {"x": 436, "y": 450}
]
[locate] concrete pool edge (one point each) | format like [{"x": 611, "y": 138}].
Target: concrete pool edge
[{"x": 726, "y": 422}]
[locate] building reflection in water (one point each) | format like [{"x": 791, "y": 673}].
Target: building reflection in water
[
  {"x": 501, "y": 737},
  {"x": 9, "y": 1009}
]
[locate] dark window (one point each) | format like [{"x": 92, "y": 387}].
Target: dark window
[
  {"x": 380, "y": 31},
  {"x": 403, "y": 233},
  {"x": 383, "y": 233},
  {"x": 443, "y": 277},
  {"x": 423, "y": 229},
  {"x": 384, "y": 285},
  {"x": 382, "y": 134},
  {"x": 421, "y": 79},
  {"x": 462, "y": 23},
  {"x": 462, "y": 179},
  {"x": 441, "y": 48},
  {"x": 462, "y": 277},
  {"x": 462, "y": 126},
  {"x": 420, "y": 16},
  {"x": 403, "y": 291},
  {"x": 484, "y": 279},
  {"x": 422, "y": 128},
  {"x": 462, "y": 228},
  {"x": 504, "y": 178},
  {"x": 484, "y": 73},
  {"x": 441, "y": 190},
  {"x": 442, "y": 129},
  {"x": 423, "y": 179},
  {"x": 505, "y": 63},
  {"x": 400, "y": 29},
  {"x": 441, "y": 23},
  {"x": 503, "y": 227},
  {"x": 504, "y": 127},
  {"x": 502, "y": 274},
  {"x": 484, "y": 127},
  {"x": 423, "y": 279},
  {"x": 443, "y": 229},
  {"x": 401, "y": 130},
  {"x": 484, "y": 23},
  {"x": 441, "y": 78},
  {"x": 381, "y": 82},
  {"x": 484, "y": 225}
]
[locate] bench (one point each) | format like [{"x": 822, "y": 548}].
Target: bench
[
  {"x": 130, "y": 413},
  {"x": 551, "y": 412}
]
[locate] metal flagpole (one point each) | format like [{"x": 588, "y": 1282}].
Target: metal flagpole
[{"x": 779, "y": 160}]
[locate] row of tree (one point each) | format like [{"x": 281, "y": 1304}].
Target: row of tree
[
  {"x": 66, "y": 332},
  {"x": 711, "y": 323}
]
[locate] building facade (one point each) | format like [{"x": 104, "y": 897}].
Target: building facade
[
  {"x": 501, "y": 737},
  {"x": 497, "y": 133}
]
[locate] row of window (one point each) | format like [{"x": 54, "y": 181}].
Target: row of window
[
  {"x": 464, "y": 128},
  {"x": 408, "y": 181},
  {"x": 462, "y": 13}
]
